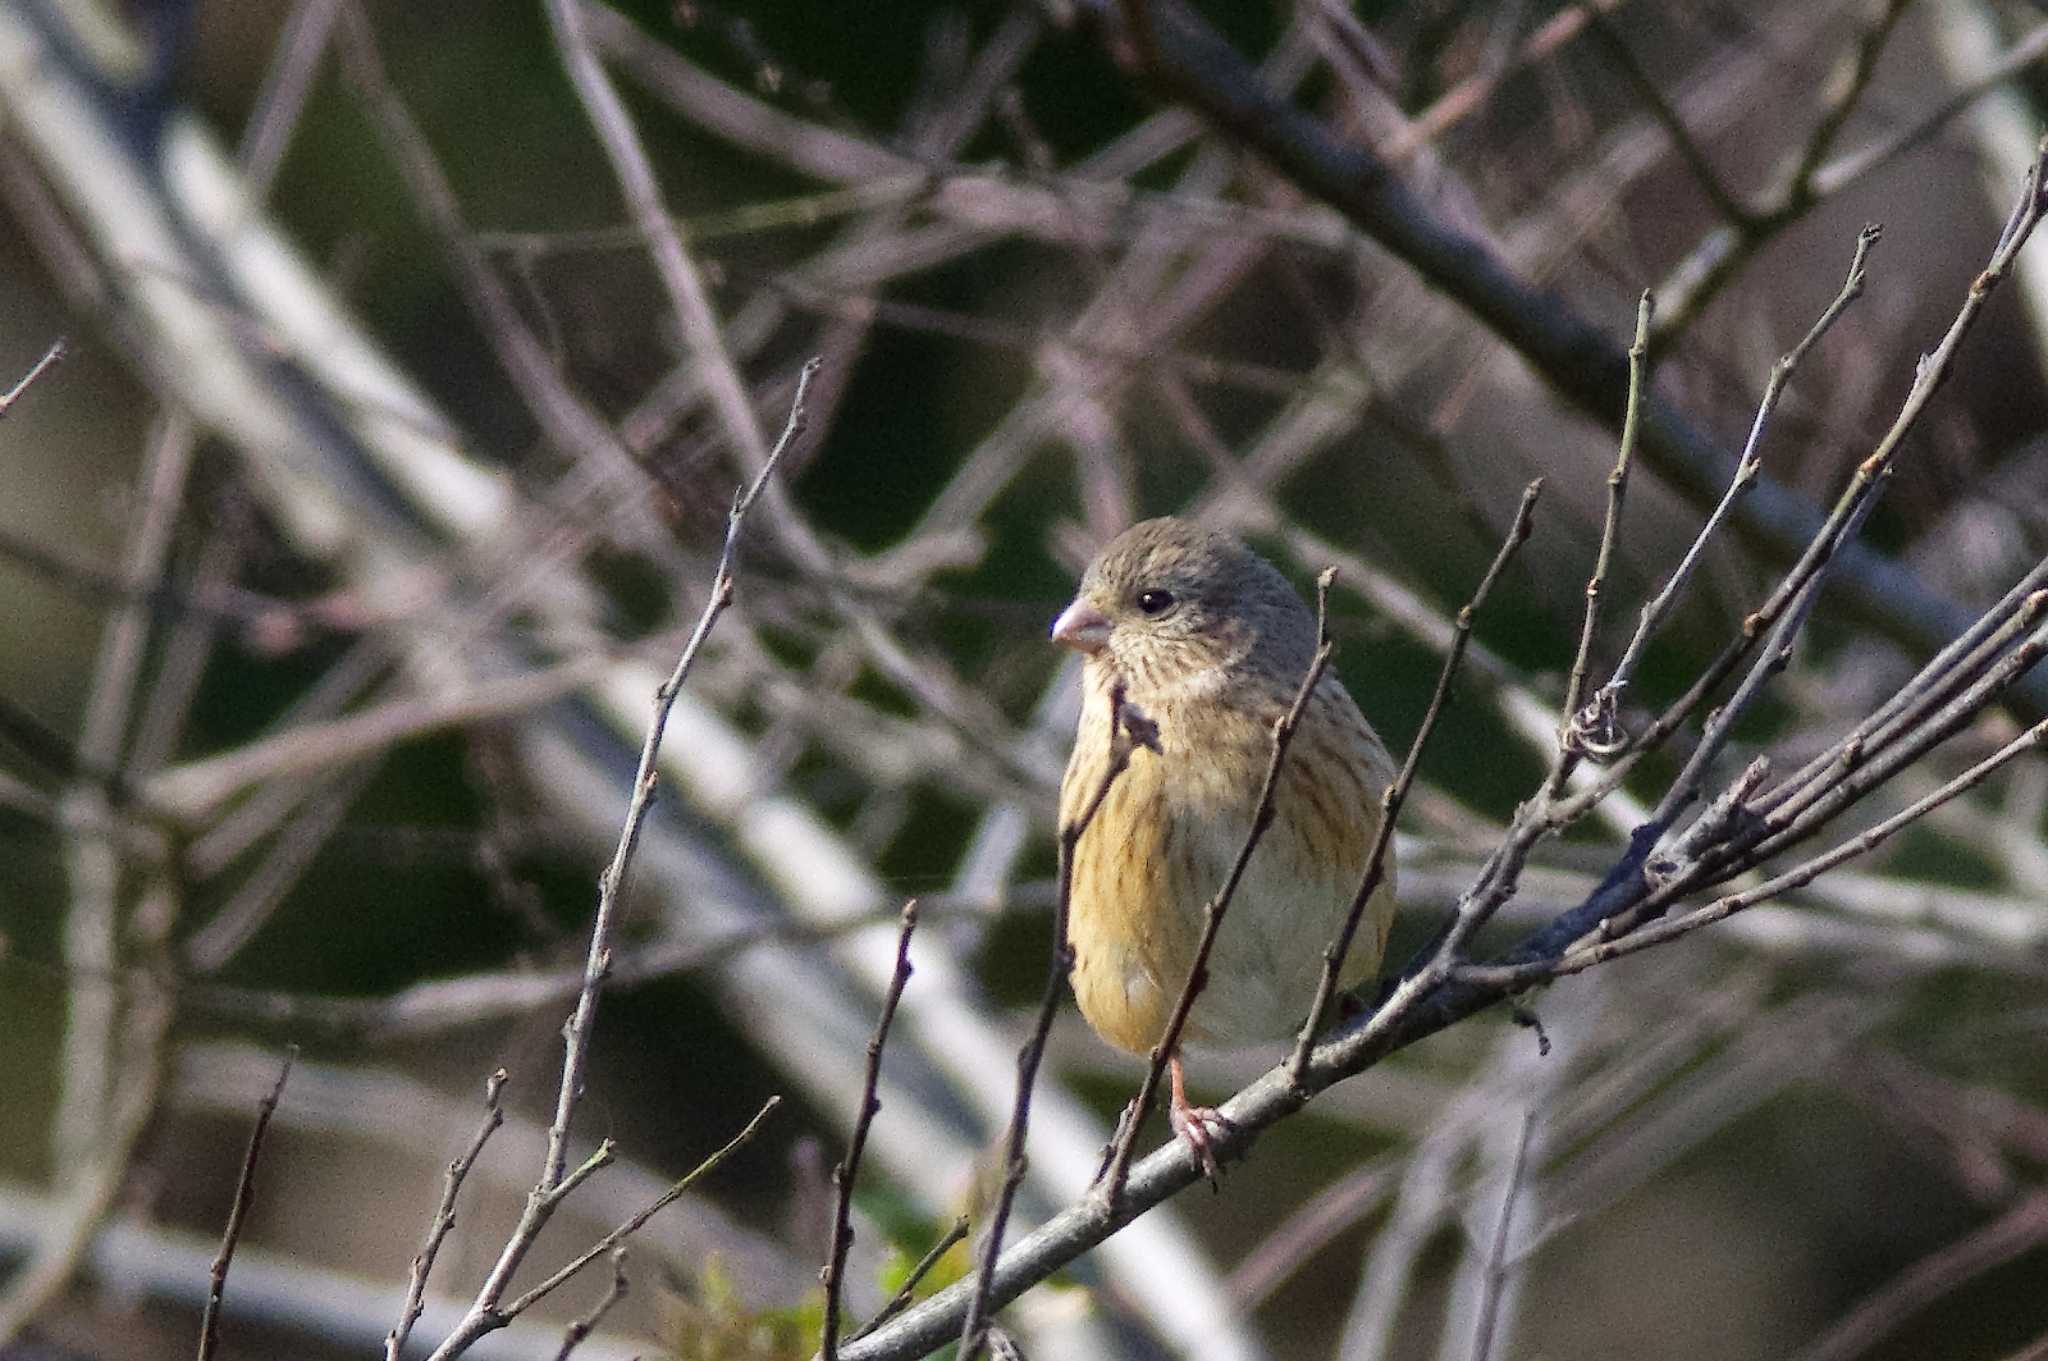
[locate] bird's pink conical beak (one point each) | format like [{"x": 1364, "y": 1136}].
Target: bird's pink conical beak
[{"x": 1081, "y": 627}]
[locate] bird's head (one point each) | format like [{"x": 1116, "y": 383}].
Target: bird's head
[{"x": 1167, "y": 600}]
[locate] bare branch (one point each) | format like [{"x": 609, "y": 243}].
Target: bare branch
[
  {"x": 1775, "y": 652},
  {"x": 1196, "y": 65},
  {"x": 286, "y": 85},
  {"x": 1955, "y": 666},
  {"x": 1726, "y": 205},
  {"x": 52, "y": 357},
  {"x": 1588, "y": 733},
  {"x": 1724, "y": 251},
  {"x": 245, "y": 1193},
  {"x": 1864, "y": 487},
  {"x": 631, "y": 1226},
  {"x": 1798, "y": 817},
  {"x": 584, "y": 1325},
  {"x": 612, "y": 884},
  {"x": 1497, "y": 1256},
  {"x": 843, "y": 1176},
  {"x": 1397, "y": 793},
  {"x": 1850, "y": 167},
  {"x": 444, "y": 1216},
  {"x": 905, "y": 1292},
  {"x": 196, "y": 789},
  {"x": 1516, "y": 976},
  {"x": 1747, "y": 467},
  {"x": 2020, "y": 1230},
  {"x": 484, "y": 1314}
]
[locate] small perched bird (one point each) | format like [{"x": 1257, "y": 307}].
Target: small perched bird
[{"x": 1208, "y": 641}]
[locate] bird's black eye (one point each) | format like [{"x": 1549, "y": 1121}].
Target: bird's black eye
[{"x": 1155, "y": 602}]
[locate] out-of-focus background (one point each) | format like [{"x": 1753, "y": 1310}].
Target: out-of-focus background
[{"x": 381, "y": 399}]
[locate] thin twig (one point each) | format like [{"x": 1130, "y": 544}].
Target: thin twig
[
  {"x": 444, "y": 1216},
  {"x": 1496, "y": 1272},
  {"x": 689, "y": 299},
  {"x": 843, "y": 1176},
  {"x": 1852, "y": 166},
  {"x": 1516, "y": 976},
  {"x": 196, "y": 789},
  {"x": 1955, "y": 665},
  {"x": 1726, "y": 206},
  {"x": 1816, "y": 805},
  {"x": 1747, "y": 467},
  {"x": 898, "y": 1302},
  {"x": 443, "y": 1004},
  {"x": 1582, "y": 732},
  {"x": 1775, "y": 652},
  {"x": 905, "y": 1292},
  {"x": 1397, "y": 793},
  {"x": 1870, "y": 476},
  {"x": 1722, "y": 253},
  {"x": 1855, "y": 501},
  {"x": 1756, "y": 837},
  {"x": 632, "y": 1225},
  {"x": 2020, "y": 1230},
  {"x": 245, "y": 1193},
  {"x": 584, "y": 1325},
  {"x": 1199, "y": 67},
  {"x": 281, "y": 101},
  {"x": 1212, "y": 914},
  {"x": 1129, "y": 728},
  {"x": 51, "y": 358},
  {"x": 541, "y": 1202},
  {"x": 612, "y": 883}
]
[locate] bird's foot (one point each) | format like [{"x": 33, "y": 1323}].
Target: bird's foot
[{"x": 1198, "y": 1128}]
